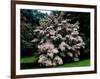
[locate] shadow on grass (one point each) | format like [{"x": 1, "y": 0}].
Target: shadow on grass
[
  {"x": 81, "y": 63},
  {"x": 28, "y": 63}
]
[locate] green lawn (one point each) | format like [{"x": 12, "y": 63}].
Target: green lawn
[
  {"x": 80, "y": 63},
  {"x": 28, "y": 59}
]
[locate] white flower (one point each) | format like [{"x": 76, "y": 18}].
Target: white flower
[
  {"x": 51, "y": 55},
  {"x": 59, "y": 28},
  {"x": 52, "y": 32},
  {"x": 64, "y": 21},
  {"x": 35, "y": 40},
  {"x": 36, "y": 30},
  {"x": 74, "y": 33},
  {"x": 62, "y": 46},
  {"x": 44, "y": 60},
  {"x": 57, "y": 61},
  {"x": 70, "y": 54},
  {"x": 55, "y": 50},
  {"x": 45, "y": 46}
]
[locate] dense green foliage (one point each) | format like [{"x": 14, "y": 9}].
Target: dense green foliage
[{"x": 29, "y": 20}]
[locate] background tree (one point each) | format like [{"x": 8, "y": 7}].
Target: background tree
[{"x": 29, "y": 20}]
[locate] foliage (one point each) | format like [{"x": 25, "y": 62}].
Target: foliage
[{"x": 29, "y": 20}]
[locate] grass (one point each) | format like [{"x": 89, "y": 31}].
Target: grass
[
  {"x": 28, "y": 60},
  {"x": 80, "y": 63}
]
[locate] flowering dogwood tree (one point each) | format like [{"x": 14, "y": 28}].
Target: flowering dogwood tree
[{"x": 57, "y": 38}]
